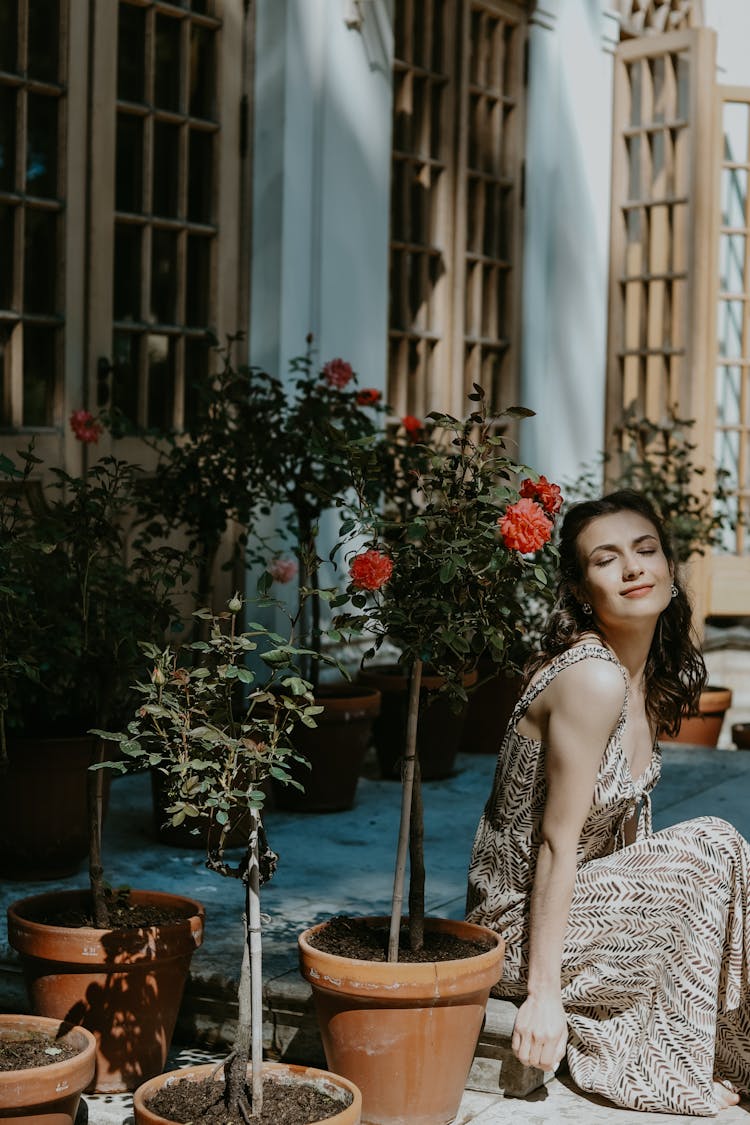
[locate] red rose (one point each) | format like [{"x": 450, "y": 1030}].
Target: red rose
[
  {"x": 368, "y": 397},
  {"x": 545, "y": 493},
  {"x": 370, "y": 570},
  {"x": 85, "y": 427},
  {"x": 413, "y": 427},
  {"x": 337, "y": 373},
  {"x": 524, "y": 527}
]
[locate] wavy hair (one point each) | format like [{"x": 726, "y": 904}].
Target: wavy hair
[{"x": 675, "y": 672}]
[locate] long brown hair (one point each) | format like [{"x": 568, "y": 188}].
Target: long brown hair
[{"x": 675, "y": 672}]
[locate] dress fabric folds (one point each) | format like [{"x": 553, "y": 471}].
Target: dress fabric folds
[{"x": 656, "y": 958}]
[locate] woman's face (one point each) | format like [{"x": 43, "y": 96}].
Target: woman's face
[{"x": 626, "y": 576}]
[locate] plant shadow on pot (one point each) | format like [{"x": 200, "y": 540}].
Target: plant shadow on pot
[
  {"x": 124, "y": 985},
  {"x": 439, "y": 731},
  {"x": 335, "y": 748}
]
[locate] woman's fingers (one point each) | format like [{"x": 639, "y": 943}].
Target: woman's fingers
[{"x": 545, "y": 1054}]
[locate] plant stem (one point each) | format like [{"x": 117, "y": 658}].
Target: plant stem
[
  {"x": 407, "y": 786},
  {"x": 248, "y": 1018},
  {"x": 95, "y": 806},
  {"x": 416, "y": 863}
]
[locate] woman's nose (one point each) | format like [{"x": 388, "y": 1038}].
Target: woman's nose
[{"x": 632, "y": 567}]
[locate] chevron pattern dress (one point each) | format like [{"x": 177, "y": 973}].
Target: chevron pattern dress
[{"x": 656, "y": 959}]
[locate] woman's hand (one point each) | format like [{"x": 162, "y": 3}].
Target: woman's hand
[{"x": 540, "y": 1033}]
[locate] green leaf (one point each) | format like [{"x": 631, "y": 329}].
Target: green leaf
[{"x": 448, "y": 570}]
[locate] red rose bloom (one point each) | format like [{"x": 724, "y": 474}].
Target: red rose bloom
[
  {"x": 370, "y": 570},
  {"x": 368, "y": 397},
  {"x": 524, "y": 527},
  {"x": 337, "y": 373},
  {"x": 413, "y": 427},
  {"x": 85, "y": 427},
  {"x": 545, "y": 493}
]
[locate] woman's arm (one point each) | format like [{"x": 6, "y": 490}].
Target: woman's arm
[{"x": 577, "y": 713}]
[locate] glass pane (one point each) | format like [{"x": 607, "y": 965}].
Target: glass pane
[
  {"x": 125, "y": 374},
  {"x": 730, "y": 328},
  {"x": 200, "y": 6},
  {"x": 39, "y": 374},
  {"x": 44, "y": 39},
  {"x": 167, "y": 63},
  {"x": 735, "y": 121},
  {"x": 166, "y": 169},
  {"x": 728, "y": 396},
  {"x": 202, "y": 42},
  {"x": 733, "y": 197},
  {"x": 8, "y": 35},
  {"x": 197, "y": 281},
  {"x": 7, "y": 138},
  {"x": 732, "y": 263},
  {"x": 683, "y": 86},
  {"x": 131, "y": 50},
  {"x": 40, "y": 262},
  {"x": 200, "y": 176},
  {"x": 160, "y": 381},
  {"x": 7, "y": 218},
  {"x": 164, "y": 277},
  {"x": 129, "y": 164},
  {"x": 197, "y": 369},
  {"x": 41, "y": 158},
  {"x": 127, "y": 296},
  {"x": 4, "y": 375}
]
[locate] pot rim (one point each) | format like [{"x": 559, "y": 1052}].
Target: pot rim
[{"x": 57, "y": 1027}]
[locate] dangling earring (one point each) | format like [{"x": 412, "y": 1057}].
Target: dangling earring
[
  {"x": 586, "y": 608},
  {"x": 675, "y": 591}
]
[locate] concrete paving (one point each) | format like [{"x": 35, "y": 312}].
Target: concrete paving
[{"x": 341, "y": 863}]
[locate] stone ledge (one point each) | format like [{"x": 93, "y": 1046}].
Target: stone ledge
[{"x": 208, "y": 1016}]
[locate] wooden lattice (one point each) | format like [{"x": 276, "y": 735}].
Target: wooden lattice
[
  {"x": 639, "y": 17},
  {"x": 455, "y": 205}
]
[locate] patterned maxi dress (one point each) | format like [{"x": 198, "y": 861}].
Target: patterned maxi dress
[{"x": 656, "y": 958}]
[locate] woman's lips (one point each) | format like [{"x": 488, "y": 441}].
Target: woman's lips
[{"x": 637, "y": 592}]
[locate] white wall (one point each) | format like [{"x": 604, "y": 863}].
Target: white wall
[
  {"x": 731, "y": 19},
  {"x": 567, "y": 233},
  {"x": 322, "y": 140}
]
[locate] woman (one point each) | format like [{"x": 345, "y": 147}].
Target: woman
[{"x": 631, "y": 949}]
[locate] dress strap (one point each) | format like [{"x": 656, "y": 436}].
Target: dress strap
[{"x": 564, "y": 659}]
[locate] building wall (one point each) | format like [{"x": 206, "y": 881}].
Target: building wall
[
  {"x": 322, "y": 143},
  {"x": 566, "y": 233}
]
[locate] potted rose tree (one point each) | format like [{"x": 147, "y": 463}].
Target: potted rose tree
[
  {"x": 219, "y": 731},
  {"x": 435, "y": 584}
]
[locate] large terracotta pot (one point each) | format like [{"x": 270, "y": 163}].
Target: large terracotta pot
[
  {"x": 491, "y": 705},
  {"x": 335, "y": 749},
  {"x": 43, "y": 817},
  {"x": 331, "y": 1084},
  {"x": 46, "y": 1095},
  {"x": 439, "y": 729},
  {"x": 123, "y": 985},
  {"x": 704, "y": 728},
  {"x": 404, "y": 1033}
]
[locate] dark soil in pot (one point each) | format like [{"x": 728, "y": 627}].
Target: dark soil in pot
[
  {"x": 26, "y": 1049},
  {"x": 284, "y": 1103},
  {"x": 355, "y": 938},
  {"x": 122, "y": 915}
]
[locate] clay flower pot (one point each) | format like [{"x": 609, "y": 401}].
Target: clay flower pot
[
  {"x": 704, "y": 728},
  {"x": 331, "y": 1084},
  {"x": 123, "y": 985},
  {"x": 404, "y": 1033},
  {"x": 46, "y": 1095}
]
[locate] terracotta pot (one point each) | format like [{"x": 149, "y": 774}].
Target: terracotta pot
[
  {"x": 331, "y": 1084},
  {"x": 404, "y": 1033},
  {"x": 335, "y": 749},
  {"x": 43, "y": 817},
  {"x": 491, "y": 705},
  {"x": 46, "y": 1095},
  {"x": 704, "y": 729},
  {"x": 123, "y": 985},
  {"x": 439, "y": 729}
]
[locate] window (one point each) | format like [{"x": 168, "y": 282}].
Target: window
[{"x": 455, "y": 201}]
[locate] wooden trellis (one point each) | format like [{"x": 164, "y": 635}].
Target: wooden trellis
[{"x": 456, "y": 201}]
